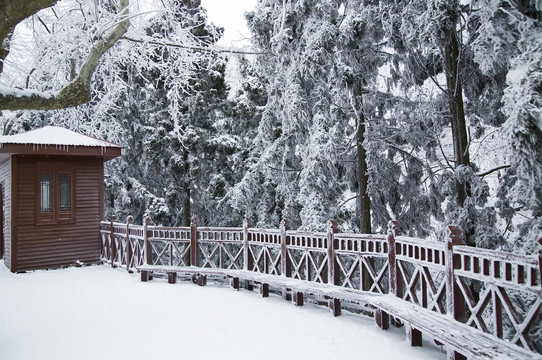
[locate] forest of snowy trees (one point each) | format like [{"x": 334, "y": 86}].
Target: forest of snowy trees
[{"x": 427, "y": 111}]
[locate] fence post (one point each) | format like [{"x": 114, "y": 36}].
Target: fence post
[
  {"x": 147, "y": 248},
  {"x": 129, "y": 252},
  {"x": 247, "y": 259},
  {"x": 332, "y": 270},
  {"x": 393, "y": 231},
  {"x": 194, "y": 254},
  {"x": 455, "y": 303},
  {"x": 285, "y": 265},
  {"x": 112, "y": 244},
  {"x": 333, "y": 275},
  {"x": 382, "y": 318}
]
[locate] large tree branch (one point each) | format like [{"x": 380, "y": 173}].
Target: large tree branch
[
  {"x": 13, "y": 12},
  {"x": 76, "y": 92}
]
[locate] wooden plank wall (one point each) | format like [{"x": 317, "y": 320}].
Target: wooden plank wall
[
  {"x": 42, "y": 246},
  {"x": 5, "y": 183}
]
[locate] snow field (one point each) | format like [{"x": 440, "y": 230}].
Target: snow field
[{"x": 101, "y": 313}]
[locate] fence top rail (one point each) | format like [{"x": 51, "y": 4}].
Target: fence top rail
[
  {"x": 306, "y": 233},
  {"x": 371, "y": 237},
  {"x": 220, "y": 229},
  {"x": 108, "y": 223},
  {"x": 263, "y": 231},
  {"x": 530, "y": 260},
  {"x": 420, "y": 242},
  {"x": 167, "y": 228}
]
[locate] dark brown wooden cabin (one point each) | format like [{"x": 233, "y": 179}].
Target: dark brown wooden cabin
[{"x": 51, "y": 197}]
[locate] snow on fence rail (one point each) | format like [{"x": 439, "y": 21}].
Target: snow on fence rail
[{"x": 496, "y": 292}]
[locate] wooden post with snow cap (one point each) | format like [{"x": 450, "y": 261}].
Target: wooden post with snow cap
[
  {"x": 393, "y": 232},
  {"x": 128, "y": 251},
  {"x": 333, "y": 275},
  {"x": 455, "y": 303},
  {"x": 147, "y": 249},
  {"x": 382, "y": 318},
  {"x": 285, "y": 264},
  {"x": 112, "y": 244},
  {"x": 194, "y": 253},
  {"x": 247, "y": 259},
  {"x": 332, "y": 270}
]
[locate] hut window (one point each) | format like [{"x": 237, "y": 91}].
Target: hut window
[
  {"x": 65, "y": 192},
  {"x": 55, "y": 198},
  {"x": 46, "y": 190}
]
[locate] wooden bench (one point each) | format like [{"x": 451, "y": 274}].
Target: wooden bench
[{"x": 459, "y": 338}]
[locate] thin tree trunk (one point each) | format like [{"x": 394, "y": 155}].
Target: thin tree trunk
[
  {"x": 455, "y": 100},
  {"x": 459, "y": 126},
  {"x": 363, "y": 176},
  {"x": 186, "y": 190}
]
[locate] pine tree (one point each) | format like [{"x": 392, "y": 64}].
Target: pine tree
[{"x": 509, "y": 41}]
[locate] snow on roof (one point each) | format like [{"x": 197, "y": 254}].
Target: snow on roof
[{"x": 54, "y": 135}]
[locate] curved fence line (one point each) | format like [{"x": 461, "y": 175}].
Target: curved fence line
[{"x": 496, "y": 292}]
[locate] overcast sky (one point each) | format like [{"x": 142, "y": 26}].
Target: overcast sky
[{"x": 230, "y": 14}]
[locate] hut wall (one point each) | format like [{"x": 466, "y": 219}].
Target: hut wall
[
  {"x": 58, "y": 244},
  {"x": 5, "y": 184}
]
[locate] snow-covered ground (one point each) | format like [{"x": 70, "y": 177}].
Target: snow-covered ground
[{"x": 101, "y": 313}]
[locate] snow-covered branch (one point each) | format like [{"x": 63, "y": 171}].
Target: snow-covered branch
[
  {"x": 207, "y": 49},
  {"x": 76, "y": 92}
]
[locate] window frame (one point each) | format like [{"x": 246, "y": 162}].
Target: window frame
[{"x": 55, "y": 169}]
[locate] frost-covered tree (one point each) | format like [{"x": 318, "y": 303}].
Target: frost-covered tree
[
  {"x": 454, "y": 100},
  {"x": 297, "y": 172},
  {"x": 325, "y": 132},
  {"x": 186, "y": 143},
  {"x": 509, "y": 40}
]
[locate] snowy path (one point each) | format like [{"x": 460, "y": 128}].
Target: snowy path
[{"x": 102, "y": 313}]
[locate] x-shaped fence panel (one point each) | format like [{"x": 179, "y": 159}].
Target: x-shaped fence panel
[
  {"x": 501, "y": 293},
  {"x": 362, "y": 261}
]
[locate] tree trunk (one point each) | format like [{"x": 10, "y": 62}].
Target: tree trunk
[
  {"x": 457, "y": 118},
  {"x": 363, "y": 176},
  {"x": 186, "y": 190},
  {"x": 455, "y": 100}
]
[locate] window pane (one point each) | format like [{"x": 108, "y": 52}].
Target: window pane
[
  {"x": 65, "y": 192},
  {"x": 46, "y": 195}
]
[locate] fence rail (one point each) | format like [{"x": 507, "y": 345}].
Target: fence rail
[{"x": 496, "y": 292}]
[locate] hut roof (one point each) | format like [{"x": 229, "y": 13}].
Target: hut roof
[{"x": 54, "y": 140}]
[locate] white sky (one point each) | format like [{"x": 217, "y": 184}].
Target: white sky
[{"x": 230, "y": 14}]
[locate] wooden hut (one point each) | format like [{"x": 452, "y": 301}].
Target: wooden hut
[{"x": 51, "y": 197}]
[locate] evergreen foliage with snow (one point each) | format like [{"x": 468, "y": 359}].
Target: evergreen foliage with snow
[{"x": 428, "y": 112}]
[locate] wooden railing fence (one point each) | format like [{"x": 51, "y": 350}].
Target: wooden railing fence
[{"x": 496, "y": 292}]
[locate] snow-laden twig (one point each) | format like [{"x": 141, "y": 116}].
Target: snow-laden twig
[{"x": 208, "y": 49}]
